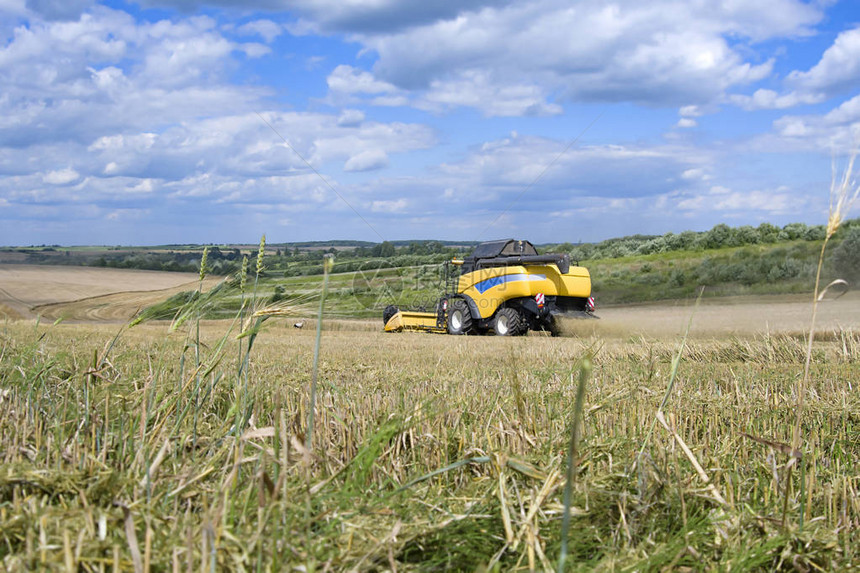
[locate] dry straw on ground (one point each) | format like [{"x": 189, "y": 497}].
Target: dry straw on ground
[{"x": 108, "y": 439}]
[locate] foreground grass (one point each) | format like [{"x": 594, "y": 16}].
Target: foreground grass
[{"x": 128, "y": 455}]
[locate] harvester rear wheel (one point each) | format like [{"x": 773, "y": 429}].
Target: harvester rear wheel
[
  {"x": 509, "y": 322},
  {"x": 459, "y": 317}
]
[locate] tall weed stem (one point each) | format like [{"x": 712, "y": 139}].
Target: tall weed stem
[
  {"x": 327, "y": 265},
  {"x": 572, "y": 453}
]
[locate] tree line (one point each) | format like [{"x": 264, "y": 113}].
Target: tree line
[
  {"x": 720, "y": 236},
  {"x": 287, "y": 260}
]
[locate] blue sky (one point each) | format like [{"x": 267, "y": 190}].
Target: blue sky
[{"x": 165, "y": 121}]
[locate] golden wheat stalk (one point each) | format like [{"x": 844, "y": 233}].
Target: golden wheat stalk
[
  {"x": 844, "y": 191},
  {"x": 203, "y": 268},
  {"x": 281, "y": 311},
  {"x": 843, "y": 194},
  {"x": 243, "y": 279},
  {"x": 260, "y": 252}
]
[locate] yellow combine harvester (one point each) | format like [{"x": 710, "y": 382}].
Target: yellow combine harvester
[{"x": 505, "y": 287}]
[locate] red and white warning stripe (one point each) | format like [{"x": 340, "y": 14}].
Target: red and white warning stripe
[
  {"x": 540, "y": 299},
  {"x": 590, "y": 303}
]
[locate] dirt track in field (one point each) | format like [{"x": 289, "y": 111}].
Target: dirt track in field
[
  {"x": 86, "y": 294},
  {"x": 740, "y": 316}
]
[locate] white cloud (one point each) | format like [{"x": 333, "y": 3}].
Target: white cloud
[
  {"x": 144, "y": 186},
  {"x": 396, "y": 206},
  {"x": 254, "y": 50},
  {"x": 724, "y": 201},
  {"x": 314, "y": 62},
  {"x": 504, "y": 169},
  {"x": 659, "y": 53},
  {"x": 477, "y": 89},
  {"x": 757, "y": 20},
  {"x": 107, "y": 114},
  {"x": 59, "y": 9},
  {"x": 348, "y": 80},
  {"x": 763, "y": 19},
  {"x": 691, "y": 111},
  {"x": 350, "y": 118},
  {"x": 61, "y": 176},
  {"x": 527, "y": 58},
  {"x": 367, "y": 161},
  {"x": 836, "y": 131},
  {"x": 769, "y": 99},
  {"x": 329, "y": 142},
  {"x": 837, "y": 71},
  {"x": 14, "y": 7},
  {"x": 235, "y": 160},
  {"x": 126, "y": 214},
  {"x": 847, "y": 113},
  {"x": 105, "y": 73},
  {"x": 266, "y": 29},
  {"x": 28, "y": 59},
  {"x": 695, "y": 174},
  {"x": 389, "y": 101},
  {"x": 185, "y": 52},
  {"x": 356, "y": 15}
]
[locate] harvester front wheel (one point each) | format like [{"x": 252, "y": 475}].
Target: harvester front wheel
[
  {"x": 509, "y": 322},
  {"x": 459, "y": 317},
  {"x": 389, "y": 311}
]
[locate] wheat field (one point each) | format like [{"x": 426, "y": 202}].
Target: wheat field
[{"x": 141, "y": 450}]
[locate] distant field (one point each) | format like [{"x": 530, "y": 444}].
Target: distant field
[{"x": 29, "y": 290}]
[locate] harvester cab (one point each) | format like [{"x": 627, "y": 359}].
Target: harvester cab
[{"x": 504, "y": 287}]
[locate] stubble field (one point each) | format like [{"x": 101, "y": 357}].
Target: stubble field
[{"x": 141, "y": 449}]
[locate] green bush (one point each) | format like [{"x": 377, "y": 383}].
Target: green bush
[
  {"x": 786, "y": 269},
  {"x": 846, "y": 257},
  {"x": 278, "y": 293},
  {"x": 768, "y": 233}
]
